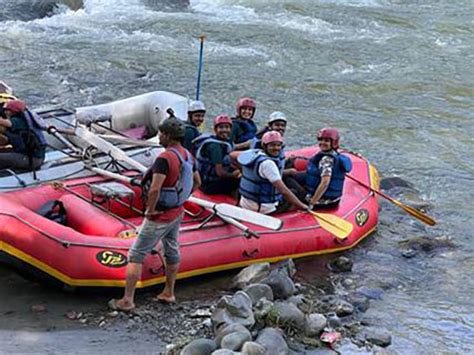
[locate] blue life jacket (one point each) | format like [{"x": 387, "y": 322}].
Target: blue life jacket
[
  {"x": 248, "y": 128},
  {"x": 205, "y": 166},
  {"x": 252, "y": 185},
  {"x": 31, "y": 140},
  {"x": 193, "y": 132},
  {"x": 342, "y": 165},
  {"x": 176, "y": 195}
]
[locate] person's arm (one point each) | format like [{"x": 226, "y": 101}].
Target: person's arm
[
  {"x": 269, "y": 170},
  {"x": 196, "y": 180},
  {"x": 216, "y": 154},
  {"x": 325, "y": 167},
  {"x": 154, "y": 194},
  {"x": 5, "y": 123},
  {"x": 289, "y": 195},
  {"x": 320, "y": 190},
  {"x": 243, "y": 146}
]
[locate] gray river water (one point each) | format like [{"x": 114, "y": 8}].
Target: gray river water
[{"x": 395, "y": 76}]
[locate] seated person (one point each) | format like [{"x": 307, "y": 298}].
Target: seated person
[
  {"x": 21, "y": 134},
  {"x": 244, "y": 128},
  {"x": 276, "y": 122},
  {"x": 326, "y": 171},
  {"x": 213, "y": 159},
  {"x": 261, "y": 187},
  {"x": 6, "y": 94},
  {"x": 196, "y": 113}
]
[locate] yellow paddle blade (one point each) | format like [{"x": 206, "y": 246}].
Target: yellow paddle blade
[
  {"x": 335, "y": 225},
  {"x": 415, "y": 213}
]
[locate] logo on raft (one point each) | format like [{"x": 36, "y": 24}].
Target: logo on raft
[
  {"x": 111, "y": 258},
  {"x": 362, "y": 217}
]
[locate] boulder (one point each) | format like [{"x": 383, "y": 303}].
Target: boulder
[
  {"x": 286, "y": 267},
  {"x": 252, "y": 348},
  {"x": 378, "y": 336},
  {"x": 258, "y": 291},
  {"x": 315, "y": 324},
  {"x": 272, "y": 339},
  {"x": 251, "y": 274},
  {"x": 289, "y": 314},
  {"x": 282, "y": 286},
  {"x": 201, "y": 346},
  {"x": 235, "y": 340},
  {"x": 229, "y": 329},
  {"x": 233, "y": 309}
]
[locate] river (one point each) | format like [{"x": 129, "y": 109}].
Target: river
[{"x": 395, "y": 76}]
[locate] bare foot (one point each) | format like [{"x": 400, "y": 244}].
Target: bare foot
[
  {"x": 121, "y": 305},
  {"x": 165, "y": 298}
]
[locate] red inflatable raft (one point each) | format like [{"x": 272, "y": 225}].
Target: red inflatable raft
[{"x": 91, "y": 249}]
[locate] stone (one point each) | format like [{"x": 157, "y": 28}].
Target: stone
[
  {"x": 282, "y": 286},
  {"x": 229, "y": 329},
  {"x": 344, "y": 308},
  {"x": 297, "y": 300},
  {"x": 272, "y": 339},
  {"x": 378, "y": 336},
  {"x": 341, "y": 264},
  {"x": 202, "y": 346},
  {"x": 251, "y": 274},
  {"x": 233, "y": 309},
  {"x": 360, "y": 302},
  {"x": 289, "y": 314},
  {"x": 235, "y": 340},
  {"x": 315, "y": 324},
  {"x": 258, "y": 291},
  {"x": 222, "y": 352},
  {"x": 252, "y": 348},
  {"x": 286, "y": 267}
]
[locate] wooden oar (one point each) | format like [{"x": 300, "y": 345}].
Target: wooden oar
[
  {"x": 223, "y": 209},
  {"x": 410, "y": 210},
  {"x": 335, "y": 225},
  {"x": 119, "y": 154}
]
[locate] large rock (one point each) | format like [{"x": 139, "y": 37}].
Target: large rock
[
  {"x": 258, "y": 291},
  {"x": 379, "y": 337},
  {"x": 315, "y": 324},
  {"x": 289, "y": 314},
  {"x": 201, "y": 346},
  {"x": 252, "y": 348},
  {"x": 251, "y": 274},
  {"x": 234, "y": 341},
  {"x": 233, "y": 309},
  {"x": 229, "y": 329},
  {"x": 287, "y": 267},
  {"x": 282, "y": 286},
  {"x": 272, "y": 339},
  {"x": 223, "y": 352}
]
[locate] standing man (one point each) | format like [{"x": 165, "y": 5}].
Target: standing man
[
  {"x": 196, "y": 113},
  {"x": 170, "y": 182}
]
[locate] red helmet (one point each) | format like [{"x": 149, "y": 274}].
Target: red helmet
[
  {"x": 332, "y": 134},
  {"x": 15, "y": 106},
  {"x": 246, "y": 102},
  {"x": 222, "y": 119},
  {"x": 272, "y": 136}
]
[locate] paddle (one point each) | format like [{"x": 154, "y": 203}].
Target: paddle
[
  {"x": 335, "y": 225},
  {"x": 223, "y": 209},
  {"x": 198, "y": 84},
  {"x": 119, "y": 154},
  {"x": 410, "y": 210}
]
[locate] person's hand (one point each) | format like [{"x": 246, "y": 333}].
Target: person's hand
[
  {"x": 313, "y": 201},
  {"x": 236, "y": 174}
]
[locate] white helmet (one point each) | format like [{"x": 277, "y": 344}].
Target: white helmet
[
  {"x": 195, "y": 106},
  {"x": 276, "y": 116}
]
